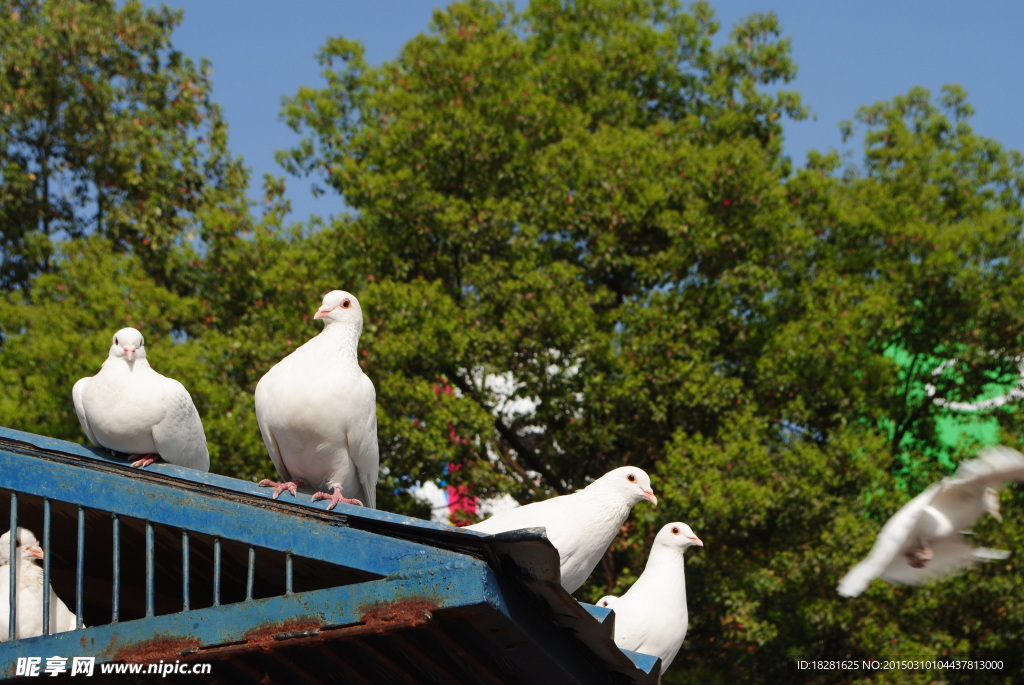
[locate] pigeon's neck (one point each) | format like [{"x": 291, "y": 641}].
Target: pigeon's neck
[
  {"x": 122, "y": 365},
  {"x": 29, "y": 574},
  {"x": 342, "y": 338},
  {"x": 665, "y": 576}
]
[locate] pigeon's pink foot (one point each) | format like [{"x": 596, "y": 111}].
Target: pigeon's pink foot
[
  {"x": 145, "y": 460},
  {"x": 291, "y": 486},
  {"x": 917, "y": 558},
  {"x": 335, "y": 497}
]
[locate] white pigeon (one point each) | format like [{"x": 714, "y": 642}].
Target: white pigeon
[
  {"x": 651, "y": 616},
  {"x": 29, "y": 591},
  {"x": 317, "y": 412},
  {"x": 606, "y": 601},
  {"x": 581, "y": 526},
  {"x": 924, "y": 539},
  {"x": 128, "y": 407}
]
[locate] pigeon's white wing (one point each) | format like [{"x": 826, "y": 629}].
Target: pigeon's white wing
[
  {"x": 888, "y": 546},
  {"x": 994, "y": 466},
  {"x": 62, "y": 619},
  {"x": 264, "y": 408},
  {"x": 179, "y": 437},
  {"x": 362, "y": 443},
  {"x": 635, "y": 635},
  {"x": 951, "y": 555},
  {"x": 960, "y": 497},
  {"x": 535, "y": 515},
  {"x": 77, "y": 395}
]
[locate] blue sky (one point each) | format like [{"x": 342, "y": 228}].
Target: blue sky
[{"x": 848, "y": 54}]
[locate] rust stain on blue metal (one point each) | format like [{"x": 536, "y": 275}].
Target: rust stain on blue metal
[
  {"x": 159, "y": 649},
  {"x": 272, "y": 633},
  {"x": 405, "y": 613}
]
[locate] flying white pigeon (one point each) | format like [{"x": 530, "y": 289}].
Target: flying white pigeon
[
  {"x": 581, "y": 526},
  {"x": 651, "y": 616},
  {"x": 924, "y": 540},
  {"x": 317, "y": 412},
  {"x": 29, "y": 591},
  {"x": 128, "y": 407},
  {"x": 606, "y": 601}
]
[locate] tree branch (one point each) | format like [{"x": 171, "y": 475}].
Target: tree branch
[{"x": 530, "y": 458}]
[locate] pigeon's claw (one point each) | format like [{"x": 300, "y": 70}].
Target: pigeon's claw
[
  {"x": 335, "y": 497},
  {"x": 291, "y": 486},
  {"x": 145, "y": 460}
]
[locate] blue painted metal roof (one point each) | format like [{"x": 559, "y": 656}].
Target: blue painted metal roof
[{"x": 171, "y": 565}]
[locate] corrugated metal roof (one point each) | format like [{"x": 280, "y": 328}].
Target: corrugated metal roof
[{"x": 184, "y": 567}]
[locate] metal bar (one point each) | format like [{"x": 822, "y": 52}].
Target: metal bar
[
  {"x": 46, "y": 565},
  {"x": 342, "y": 608},
  {"x": 186, "y": 572},
  {"x": 12, "y": 616},
  {"x": 288, "y": 575},
  {"x": 220, "y": 511},
  {"x": 216, "y": 572},
  {"x": 115, "y": 598},
  {"x": 150, "y": 562},
  {"x": 80, "y": 569},
  {"x": 250, "y": 573}
]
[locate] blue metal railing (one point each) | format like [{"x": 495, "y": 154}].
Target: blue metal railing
[{"x": 208, "y": 565}]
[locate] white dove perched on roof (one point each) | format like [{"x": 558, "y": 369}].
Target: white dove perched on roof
[
  {"x": 924, "y": 540},
  {"x": 29, "y": 591},
  {"x": 606, "y": 601},
  {"x": 651, "y": 616},
  {"x": 317, "y": 412},
  {"x": 128, "y": 407},
  {"x": 582, "y": 525}
]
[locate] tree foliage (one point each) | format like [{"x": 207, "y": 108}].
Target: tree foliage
[{"x": 578, "y": 244}]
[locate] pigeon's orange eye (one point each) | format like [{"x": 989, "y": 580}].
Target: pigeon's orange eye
[
  {"x": 675, "y": 530},
  {"x": 345, "y": 304},
  {"x": 631, "y": 478}
]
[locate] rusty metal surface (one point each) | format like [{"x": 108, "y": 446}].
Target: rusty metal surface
[{"x": 378, "y": 598}]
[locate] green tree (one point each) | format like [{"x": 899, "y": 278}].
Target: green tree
[
  {"x": 532, "y": 194},
  {"x": 117, "y": 195},
  {"x": 588, "y": 202},
  {"x": 105, "y": 129}
]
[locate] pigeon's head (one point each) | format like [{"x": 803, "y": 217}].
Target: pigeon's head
[
  {"x": 631, "y": 482},
  {"x": 27, "y": 546},
  {"x": 606, "y": 601},
  {"x": 678, "y": 535},
  {"x": 991, "y": 500},
  {"x": 128, "y": 344},
  {"x": 341, "y": 307}
]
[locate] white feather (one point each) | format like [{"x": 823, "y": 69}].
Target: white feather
[
  {"x": 651, "y": 617},
  {"x": 128, "y": 407},
  {"x": 29, "y": 591},
  {"x": 317, "y": 410},
  {"x": 936, "y": 520},
  {"x": 581, "y": 526}
]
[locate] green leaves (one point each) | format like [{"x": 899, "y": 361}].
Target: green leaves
[{"x": 577, "y": 244}]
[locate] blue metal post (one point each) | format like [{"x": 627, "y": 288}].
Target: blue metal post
[
  {"x": 149, "y": 569},
  {"x": 12, "y": 616},
  {"x": 186, "y": 578},
  {"x": 46, "y": 565},
  {"x": 79, "y": 568},
  {"x": 115, "y": 600}
]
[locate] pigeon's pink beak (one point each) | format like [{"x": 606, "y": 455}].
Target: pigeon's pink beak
[
  {"x": 649, "y": 494},
  {"x": 129, "y": 351},
  {"x": 35, "y": 550},
  {"x": 322, "y": 313},
  {"x": 696, "y": 540}
]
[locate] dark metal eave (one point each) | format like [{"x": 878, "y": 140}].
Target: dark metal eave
[{"x": 523, "y": 582}]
